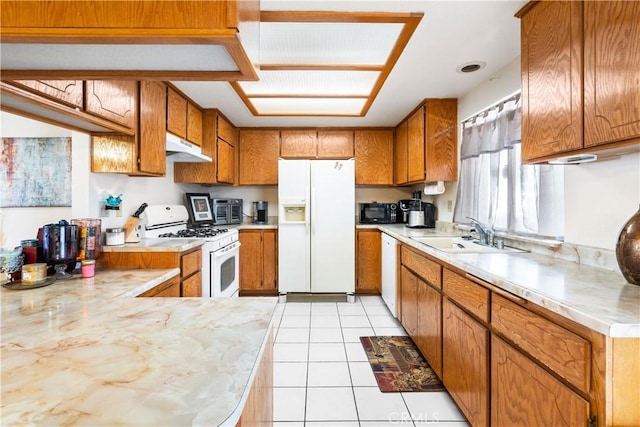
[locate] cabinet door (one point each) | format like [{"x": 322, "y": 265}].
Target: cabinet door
[
  {"x": 251, "y": 259},
  {"x": 153, "y": 107},
  {"x": 524, "y": 394},
  {"x": 368, "y": 261},
  {"x": 416, "y": 146},
  {"x": 441, "y": 134},
  {"x": 374, "y": 157},
  {"x": 551, "y": 38},
  {"x": 226, "y": 163},
  {"x": 70, "y": 92},
  {"x": 192, "y": 286},
  {"x": 465, "y": 363},
  {"x": 226, "y": 131},
  {"x": 114, "y": 100},
  {"x": 258, "y": 151},
  {"x": 176, "y": 113},
  {"x": 409, "y": 297},
  {"x": 194, "y": 124},
  {"x": 336, "y": 144},
  {"x": 429, "y": 338},
  {"x": 203, "y": 172},
  {"x": 612, "y": 71},
  {"x": 270, "y": 260},
  {"x": 298, "y": 144},
  {"x": 113, "y": 154},
  {"x": 400, "y": 154}
]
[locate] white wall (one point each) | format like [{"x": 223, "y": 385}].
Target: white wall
[
  {"x": 599, "y": 197},
  {"x": 91, "y": 189},
  {"x": 22, "y": 223}
]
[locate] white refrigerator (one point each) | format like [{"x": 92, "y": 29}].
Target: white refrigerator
[{"x": 316, "y": 226}]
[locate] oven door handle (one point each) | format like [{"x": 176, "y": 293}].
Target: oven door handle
[{"x": 222, "y": 252}]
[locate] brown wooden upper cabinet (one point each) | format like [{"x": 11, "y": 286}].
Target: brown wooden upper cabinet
[
  {"x": 580, "y": 77},
  {"x": 115, "y": 100},
  {"x": 69, "y": 92},
  {"x": 258, "y": 157},
  {"x": 426, "y": 144},
  {"x": 220, "y": 142},
  {"x": 140, "y": 154},
  {"x": 184, "y": 119},
  {"x": 316, "y": 144},
  {"x": 374, "y": 157}
]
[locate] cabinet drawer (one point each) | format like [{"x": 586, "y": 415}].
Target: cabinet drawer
[
  {"x": 191, "y": 263},
  {"x": 560, "y": 350},
  {"x": 429, "y": 270},
  {"x": 469, "y": 295}
]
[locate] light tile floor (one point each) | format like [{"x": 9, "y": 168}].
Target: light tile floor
[{"x": 322, "y": 377}]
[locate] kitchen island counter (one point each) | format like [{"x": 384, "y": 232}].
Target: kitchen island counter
[
  {"x": 84, "y": 351},
  {"x": 597, "y": 298}
]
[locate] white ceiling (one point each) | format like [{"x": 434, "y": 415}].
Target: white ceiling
[{"x": 450, "y": 34}]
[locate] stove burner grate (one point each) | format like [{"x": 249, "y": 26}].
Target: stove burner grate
[{"x": 195, "y": 232}]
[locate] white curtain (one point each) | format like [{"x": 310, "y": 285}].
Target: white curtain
[{"x": 495, "y": 188}]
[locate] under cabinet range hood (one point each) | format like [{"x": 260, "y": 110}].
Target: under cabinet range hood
[{"x": 180, "y": 150}]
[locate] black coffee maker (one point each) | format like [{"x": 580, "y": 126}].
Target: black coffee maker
[
  {"x": 60, "y": 247},
  {"x": 419, "y": 214}
]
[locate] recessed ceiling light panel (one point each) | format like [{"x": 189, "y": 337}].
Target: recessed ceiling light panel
[
  {"x": 308, "y": 106},
  {"x": 332, "y": 43},
  {"x": 312, "y": 82}
]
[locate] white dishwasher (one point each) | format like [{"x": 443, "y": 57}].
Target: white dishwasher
[{"x": 389, "y": 272}]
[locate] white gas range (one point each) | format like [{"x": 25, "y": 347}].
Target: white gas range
[{"x": 220, "y": 250}]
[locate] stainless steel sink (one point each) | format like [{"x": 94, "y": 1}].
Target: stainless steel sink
[{"x": 460, "y": 245}]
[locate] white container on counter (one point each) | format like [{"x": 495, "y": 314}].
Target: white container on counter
[{"x": 114, "y": 236}]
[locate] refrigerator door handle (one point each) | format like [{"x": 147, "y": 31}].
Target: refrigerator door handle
[{"x": 307, "y": 195}]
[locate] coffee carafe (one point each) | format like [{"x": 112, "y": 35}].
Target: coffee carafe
[{"x": 416, "y": 213}]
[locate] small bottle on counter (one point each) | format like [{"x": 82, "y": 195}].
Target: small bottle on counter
[{"x": 88, "y": 268}]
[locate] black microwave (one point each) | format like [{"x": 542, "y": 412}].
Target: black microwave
[{"x": 379, "y": 213}]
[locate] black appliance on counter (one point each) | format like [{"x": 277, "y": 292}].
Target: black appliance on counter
[
  {"x": 404, "y": 206},
  {"x": 379, "y": 213}
]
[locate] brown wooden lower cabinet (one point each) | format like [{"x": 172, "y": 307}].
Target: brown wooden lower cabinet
[
  {"x": 465, "y": 363},
  {"x": 189, "y": 262},
  {"x": 170, "y": 288},
  {"x": 409, "y": 297},
  {"x": 258, "y": 410},
  {"x": 524, "y": 394},
  {"x": 368, "y": 261},
  {"x": 509, "y": 362},
  {"x": 429, "y": 337},
  {"x": 258, "y": 262}
]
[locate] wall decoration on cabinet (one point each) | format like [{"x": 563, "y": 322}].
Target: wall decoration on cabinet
[{"x": 35, "y": 172}]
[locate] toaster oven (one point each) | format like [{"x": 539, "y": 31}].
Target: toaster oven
[{"x": 227, "y": 211}]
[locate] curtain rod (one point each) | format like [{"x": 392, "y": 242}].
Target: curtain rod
[{"x": 512, "y": 97}]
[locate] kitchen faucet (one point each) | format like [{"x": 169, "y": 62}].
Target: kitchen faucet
[{"x": 485, "y": 232}]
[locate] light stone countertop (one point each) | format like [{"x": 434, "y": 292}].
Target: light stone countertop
[
  {"x": 85, "y": 352},
  {"x": 598, "y": 298},
  {"x": 156, "y": 245}
]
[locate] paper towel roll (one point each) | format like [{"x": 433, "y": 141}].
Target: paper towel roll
[{"x": 434, "y": 189}]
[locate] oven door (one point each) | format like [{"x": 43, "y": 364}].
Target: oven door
[{"x": 225, "y": 271}]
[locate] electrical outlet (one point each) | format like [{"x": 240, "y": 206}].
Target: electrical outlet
[{"x": 449, "y": 205}]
